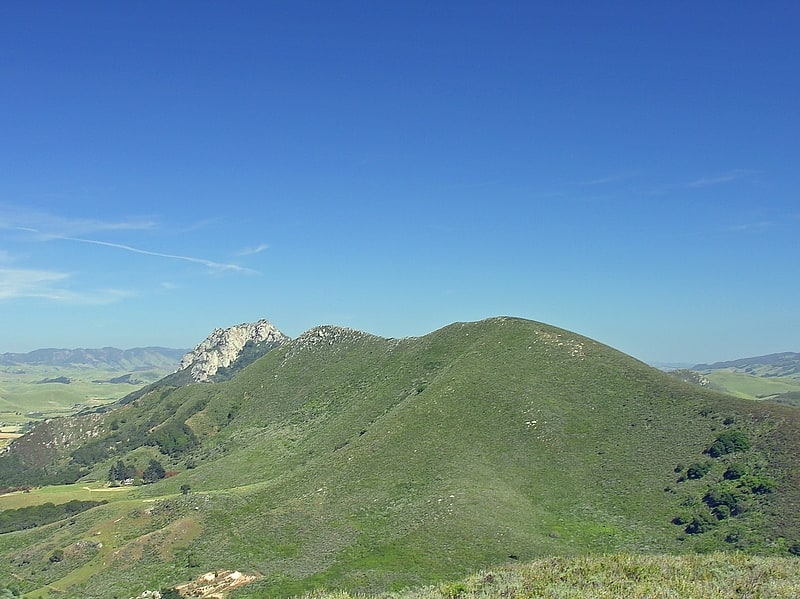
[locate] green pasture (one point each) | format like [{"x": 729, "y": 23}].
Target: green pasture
[
  {"x": 25, "y": 398},
  {"x": 62, "y": 494},
  {"x": 748, "y": 386}
]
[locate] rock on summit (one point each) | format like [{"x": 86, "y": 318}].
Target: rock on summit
[{"x": 223, "y": 346}]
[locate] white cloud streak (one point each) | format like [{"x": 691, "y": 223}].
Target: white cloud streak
[
  {"x": 256, "y": 250},
  {"x": 755, "y": 227},
  {"x": 21, "y": 283},
  {"x": 208, "y": 263},
  {"x": 606, "y": 180},
  {"x": 17, "y": 282},
  {"x": 49, "y": 225},
  {"x": 722, "y": 178}
]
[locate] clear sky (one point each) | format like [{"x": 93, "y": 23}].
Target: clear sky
[{"x": 626, "y": 170}]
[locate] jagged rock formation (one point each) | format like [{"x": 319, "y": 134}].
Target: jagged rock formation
[{"x": 224, "y": 346}]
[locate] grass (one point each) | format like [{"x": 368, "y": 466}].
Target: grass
[
  {"x": 7, "y": 437},
  {"x": 347, "y": 461},
  {"x": 748, "y": 386},
  {"x": 62, "y": 494},
  {"x": 712, "y": 576},
  {"x": 24, "y": 398}
]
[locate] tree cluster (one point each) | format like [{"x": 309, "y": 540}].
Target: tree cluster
[
  {"x": 121, "y": 472},
  {"x": 38, "y": 515}
]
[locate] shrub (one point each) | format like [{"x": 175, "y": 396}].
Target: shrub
[
  {"x": 735, "y": 471},
  {"x": 454, "y": 590},
  {"x": 698, "y": 470},
  {"x": 173, "y": 438},
  {"x": 760, "y": 485},
  {"x": 702, "y": 521},
  {"x": 728, "y": 442},
  {"x": 723, "y": 502}
]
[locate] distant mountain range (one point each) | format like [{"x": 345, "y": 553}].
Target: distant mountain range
[
  {"x": 108, "y": 358},
  {"x": 785, "y": 364}
]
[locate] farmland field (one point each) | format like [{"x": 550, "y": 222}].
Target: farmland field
[
  {"x": 30, "y": 393},
  {"x": 748, "y": 386}
]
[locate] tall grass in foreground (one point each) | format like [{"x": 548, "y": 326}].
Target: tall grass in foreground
[{"x": 711, "y": 576}]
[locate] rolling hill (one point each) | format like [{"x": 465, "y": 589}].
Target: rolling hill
[
  {"x": 785, "y": 364},
  {"x": 774, "y": 377},
  {"x": 106, "y": 358},
  {"x": 46, "y": 383},
  {"x": 345, "y": 460}
]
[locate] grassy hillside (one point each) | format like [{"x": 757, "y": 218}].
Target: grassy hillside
[
  {"x": 350, "y": 461},
  {"x": 629, "y": 576},
  {"x": 751, "y": 386},
  {"x": 784, "y": 365}
]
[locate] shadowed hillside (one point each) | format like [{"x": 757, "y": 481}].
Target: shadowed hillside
[{"x": 341, "y": 459}]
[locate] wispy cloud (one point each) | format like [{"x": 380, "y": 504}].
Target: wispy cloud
[
  {"x": 45, "y": 227},
  {"x": 18, "y": 282},
  {"x": 754, "y": 227},
  {"x": 721, "y": 178},
  {"x": 607, "y": 180},
  {"x": 51, "y": 225},
  {"x": 21, "y": 283},
  {"x": 218, "y": 266},
  {"x": 255, "y": 250}
]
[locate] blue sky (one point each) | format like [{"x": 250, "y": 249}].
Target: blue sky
[{"x": 626, "y": 170}]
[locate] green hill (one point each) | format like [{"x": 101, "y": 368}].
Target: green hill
[
  {"x": 785, "y": 364},
  {"x": 775, "y": 377},
  {"x": 345, "y": 460}
]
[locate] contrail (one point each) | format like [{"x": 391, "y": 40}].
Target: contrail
[
  {"x": 203, "y": 261},
  {"x": 128, "y": 248}
]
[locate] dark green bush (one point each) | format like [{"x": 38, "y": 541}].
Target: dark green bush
[
  {"x": 760, "y": 485},
  {"x": 39, "y": 515},
  {"x": 729, "y": 442},
  {"x": 698, "y": 470},
  {"x": 735, "y": 471},
  {"x": 701, "y": 522},
  {"x": 154, "y": 471},
  {"x": 723, "y": 502},
  {"x": 173, "y": 438}
]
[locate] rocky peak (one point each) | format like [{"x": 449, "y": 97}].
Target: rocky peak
[{"x": 223, "y": 346}]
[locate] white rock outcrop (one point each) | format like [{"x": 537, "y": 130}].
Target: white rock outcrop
[{"x": 223, "y": 346}]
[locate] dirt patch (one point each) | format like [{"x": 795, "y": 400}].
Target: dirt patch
[{"x": 215, "y": 585}]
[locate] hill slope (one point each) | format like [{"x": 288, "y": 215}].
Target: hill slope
[
  {"x": 785, "y": 364},
  {"x": 774, "y": 377},
  {"x": 106, "y": 358},
  {"x": 347, "y": 460}
]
